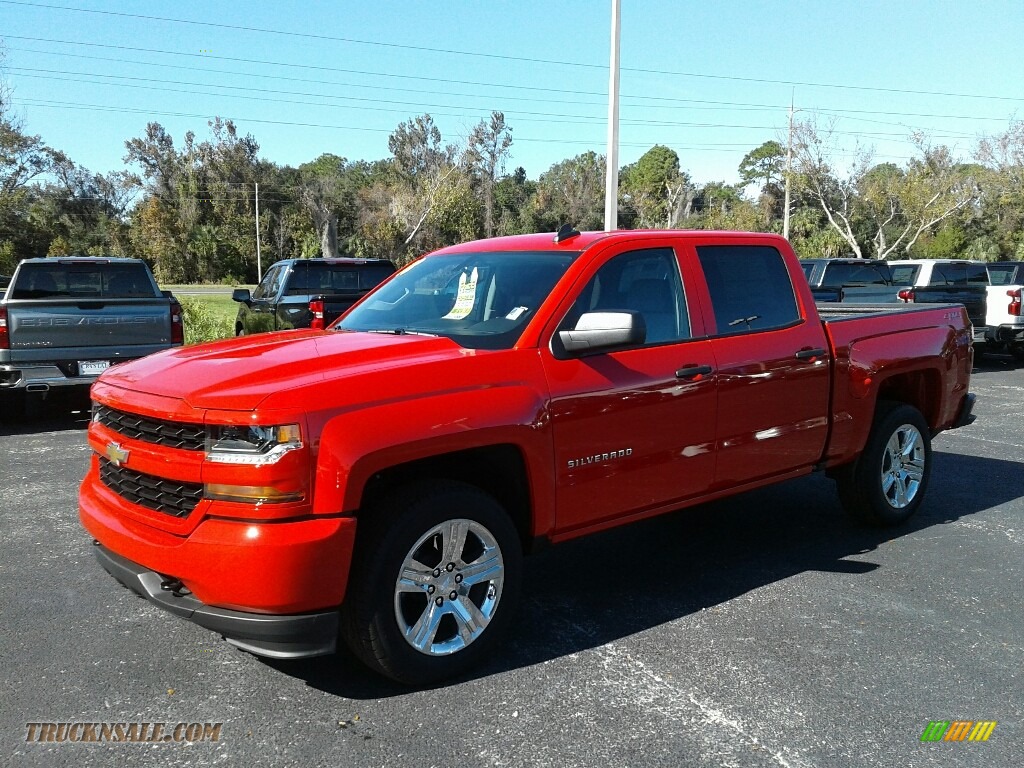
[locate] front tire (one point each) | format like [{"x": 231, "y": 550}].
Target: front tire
[
  {"x": 434, "y": 582},
  {"x": 889, "y": 481}
]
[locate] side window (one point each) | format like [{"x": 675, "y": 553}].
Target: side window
[
  {"x": 646, "y": 282},
  {"x": 269, "y": 285},
  {"x": 905, "y": 275},
  {"x": 750, "y": 287}
]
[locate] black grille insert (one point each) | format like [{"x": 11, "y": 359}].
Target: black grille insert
[
  {"x": 173, "y": 434},
  {"x": 171, "y": 497}
]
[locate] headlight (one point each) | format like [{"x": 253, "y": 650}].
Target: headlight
[{"x": 251, "y": 445}]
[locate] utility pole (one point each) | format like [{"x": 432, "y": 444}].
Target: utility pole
[
  {"x": 259, "y": 261},
  {"x": 611, "y": 186},
  {"x": 789, "y": 165}
]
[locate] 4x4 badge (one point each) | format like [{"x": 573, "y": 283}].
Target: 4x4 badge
[{"x": 116, "y": 454}]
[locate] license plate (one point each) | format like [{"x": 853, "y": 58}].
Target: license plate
[{"x": 92, "y": 367}]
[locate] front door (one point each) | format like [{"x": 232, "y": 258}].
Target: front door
[{"x": 634, "y": 429}]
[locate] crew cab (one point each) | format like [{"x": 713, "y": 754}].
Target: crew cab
[
  {"x": 1004, "y": 318},
  {"x": 63, "y": 321},
  {"x": 850, "y": 280},
  {"x": 381, "y": 480},
  {"x": 946, "y": 281},
  {"x": 306, "y": 293}
]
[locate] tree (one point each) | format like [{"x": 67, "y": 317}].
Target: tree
[
  {"x": 764, "y": 165},
  {"x": 321, "y": 194},
  {"x": 488, "y": 147},
  {"x": 882, "y": 209},
  {"x": 428, "y": 174},
  {"x": 572, "y": 192},
  {"x": 656, "y": 189}
]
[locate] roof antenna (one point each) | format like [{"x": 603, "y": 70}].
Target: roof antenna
[{"x": 566, "y": 232}]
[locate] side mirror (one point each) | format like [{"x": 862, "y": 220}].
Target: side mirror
[
  {"x": 241, "y": 295},
  {"x": 602, "y": 331}
]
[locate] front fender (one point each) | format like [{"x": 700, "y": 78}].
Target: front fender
[{"x": 355, "y": 445}]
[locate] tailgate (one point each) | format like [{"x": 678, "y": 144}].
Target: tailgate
[{"x": 65, "y": 325}]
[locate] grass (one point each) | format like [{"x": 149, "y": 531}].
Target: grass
[{"x": 207, "y": 316}]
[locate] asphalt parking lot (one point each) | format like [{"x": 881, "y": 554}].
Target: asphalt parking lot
[{"x": 765, "y": 630}]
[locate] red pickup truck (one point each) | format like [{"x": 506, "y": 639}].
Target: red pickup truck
[{"x": 380, "y": 481}]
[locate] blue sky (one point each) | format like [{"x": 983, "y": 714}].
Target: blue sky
[{"x": 710, "y": 80}]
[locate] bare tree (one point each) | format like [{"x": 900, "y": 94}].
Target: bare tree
[
  {"x": 488, "y": 147},
  {"x": 895, "y": 205}
]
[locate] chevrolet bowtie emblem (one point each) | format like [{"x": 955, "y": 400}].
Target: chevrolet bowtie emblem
[{"x": 116, "y": 454}]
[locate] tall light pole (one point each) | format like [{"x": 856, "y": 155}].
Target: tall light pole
[
  {"x": 611, "y": 186},
  {"x": 789, "y": 165},
  {"x": 259, "y": 261}
]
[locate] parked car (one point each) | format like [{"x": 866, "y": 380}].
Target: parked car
[
  {"x": 63, "y": 321},
  {"x": 1004, "y": 317},
  {"x": 851, "y": 280},
  {"x": 306, "y": 293},
  {"x": 381, "y": 480},
  {"x": 946, "y": 281}
]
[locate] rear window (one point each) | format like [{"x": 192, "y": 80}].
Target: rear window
[
  {"x": 959, "y": 274},
  {"x": 904, "y": 274},
  {"x": 838, "y": 275},
  {"x": 750, "y": 287},
  {"x": 324, "y": 277},
  {"x": 84, "y": 280}
]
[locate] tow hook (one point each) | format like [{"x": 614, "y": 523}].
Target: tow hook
[{"x": 175, "y": 587}]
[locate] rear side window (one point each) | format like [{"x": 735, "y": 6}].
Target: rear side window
[
  {"x": 750, "y": 287},
  {"x": 85, "y": 280}
]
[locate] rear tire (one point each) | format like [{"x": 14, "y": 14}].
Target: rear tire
[
  {"x": 888, "y": 482},
  {"x": 434, "y": 582}
]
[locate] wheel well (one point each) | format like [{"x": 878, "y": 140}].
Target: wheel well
[
  {"x": 921, "y": 389},
  {"x": 499, "y": 470}
]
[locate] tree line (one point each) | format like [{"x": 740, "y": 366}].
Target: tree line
[{"x": 189, "y": 208}]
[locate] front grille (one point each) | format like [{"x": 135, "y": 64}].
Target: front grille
[
  {"x": 171, "y": 497},
  {"x": 173, "y": 434}
]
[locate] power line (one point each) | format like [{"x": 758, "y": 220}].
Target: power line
[{"x": 525, "y": 59}]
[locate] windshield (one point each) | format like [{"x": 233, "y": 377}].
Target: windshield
[{"x": 478, "y": 300}]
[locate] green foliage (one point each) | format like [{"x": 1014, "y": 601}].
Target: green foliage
[
  {"x": 985, "y": 248},
  {"x": 202, "y": 322}
]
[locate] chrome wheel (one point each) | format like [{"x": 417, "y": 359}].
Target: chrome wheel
[
  {"x": 449, "y": 587},
  {"x": 903, "y": 462}
]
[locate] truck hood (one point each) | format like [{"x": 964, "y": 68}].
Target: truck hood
[{"x": 239, "y": 374}]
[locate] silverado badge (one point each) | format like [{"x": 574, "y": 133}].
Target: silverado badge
[{"x": 116, "y": 454}]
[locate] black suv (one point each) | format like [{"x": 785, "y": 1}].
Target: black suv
[{"x": 305, "y": 293}]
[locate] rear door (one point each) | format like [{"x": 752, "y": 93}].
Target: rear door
[
  {"x": 634, "y": 428},
  {"x": 773, "y": 373}
]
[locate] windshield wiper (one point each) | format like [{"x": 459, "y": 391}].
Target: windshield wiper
[{"x": 400, "y": 332}]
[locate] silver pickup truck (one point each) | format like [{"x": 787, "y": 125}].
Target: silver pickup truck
[{"x": 63, "y": 321}]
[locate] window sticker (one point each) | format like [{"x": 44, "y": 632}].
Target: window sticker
[
  {"x": 516, "y": 313},
  {"x": 465, "y": 298}
]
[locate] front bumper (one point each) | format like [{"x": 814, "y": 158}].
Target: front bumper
[
  {"x": 279, "y": 637},
  {"x": 966, "y": 415}
]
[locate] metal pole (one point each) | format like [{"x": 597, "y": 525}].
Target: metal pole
[
  {"x": 789, "y": 164},
  {"x": 259, "y": 260},
  {"x": 611, "y": 194}
]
